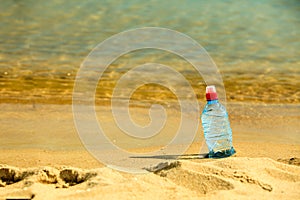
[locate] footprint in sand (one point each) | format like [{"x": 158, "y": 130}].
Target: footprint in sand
[
  {"x": 63, "y": 178},
  {"x": 10, "y": 175},
  {"x": 196, "y": 181},
  {"x": 73, "y": 177}
]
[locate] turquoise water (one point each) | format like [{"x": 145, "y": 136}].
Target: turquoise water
[{"x": 255, "y": 44}]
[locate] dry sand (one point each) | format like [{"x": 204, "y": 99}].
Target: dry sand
[
  {"x": 257, "y": 171},
  {"x": 41, "y": 157}
]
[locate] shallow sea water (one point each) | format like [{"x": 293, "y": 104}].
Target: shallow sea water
[{"x": 255, "y": 44}]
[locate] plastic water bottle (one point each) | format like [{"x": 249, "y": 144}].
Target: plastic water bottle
[{"x": 216, "y": 126}]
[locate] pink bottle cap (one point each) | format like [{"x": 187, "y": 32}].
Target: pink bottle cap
[{"x": 211, "y": 93}]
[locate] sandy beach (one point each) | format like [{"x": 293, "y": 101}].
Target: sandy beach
[
  {"x": 257, "y": 171},
  {"x": 55, "y": 165},
  {"x": 79, "y": 79}
]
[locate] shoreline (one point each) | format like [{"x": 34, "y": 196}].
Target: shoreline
[{"x": 62, "y": 100}]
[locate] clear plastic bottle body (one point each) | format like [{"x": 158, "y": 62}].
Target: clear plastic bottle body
[{"x": 217, "y": 131}]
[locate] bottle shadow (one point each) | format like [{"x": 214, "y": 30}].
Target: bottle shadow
[{"x": 175, "y": 157}]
